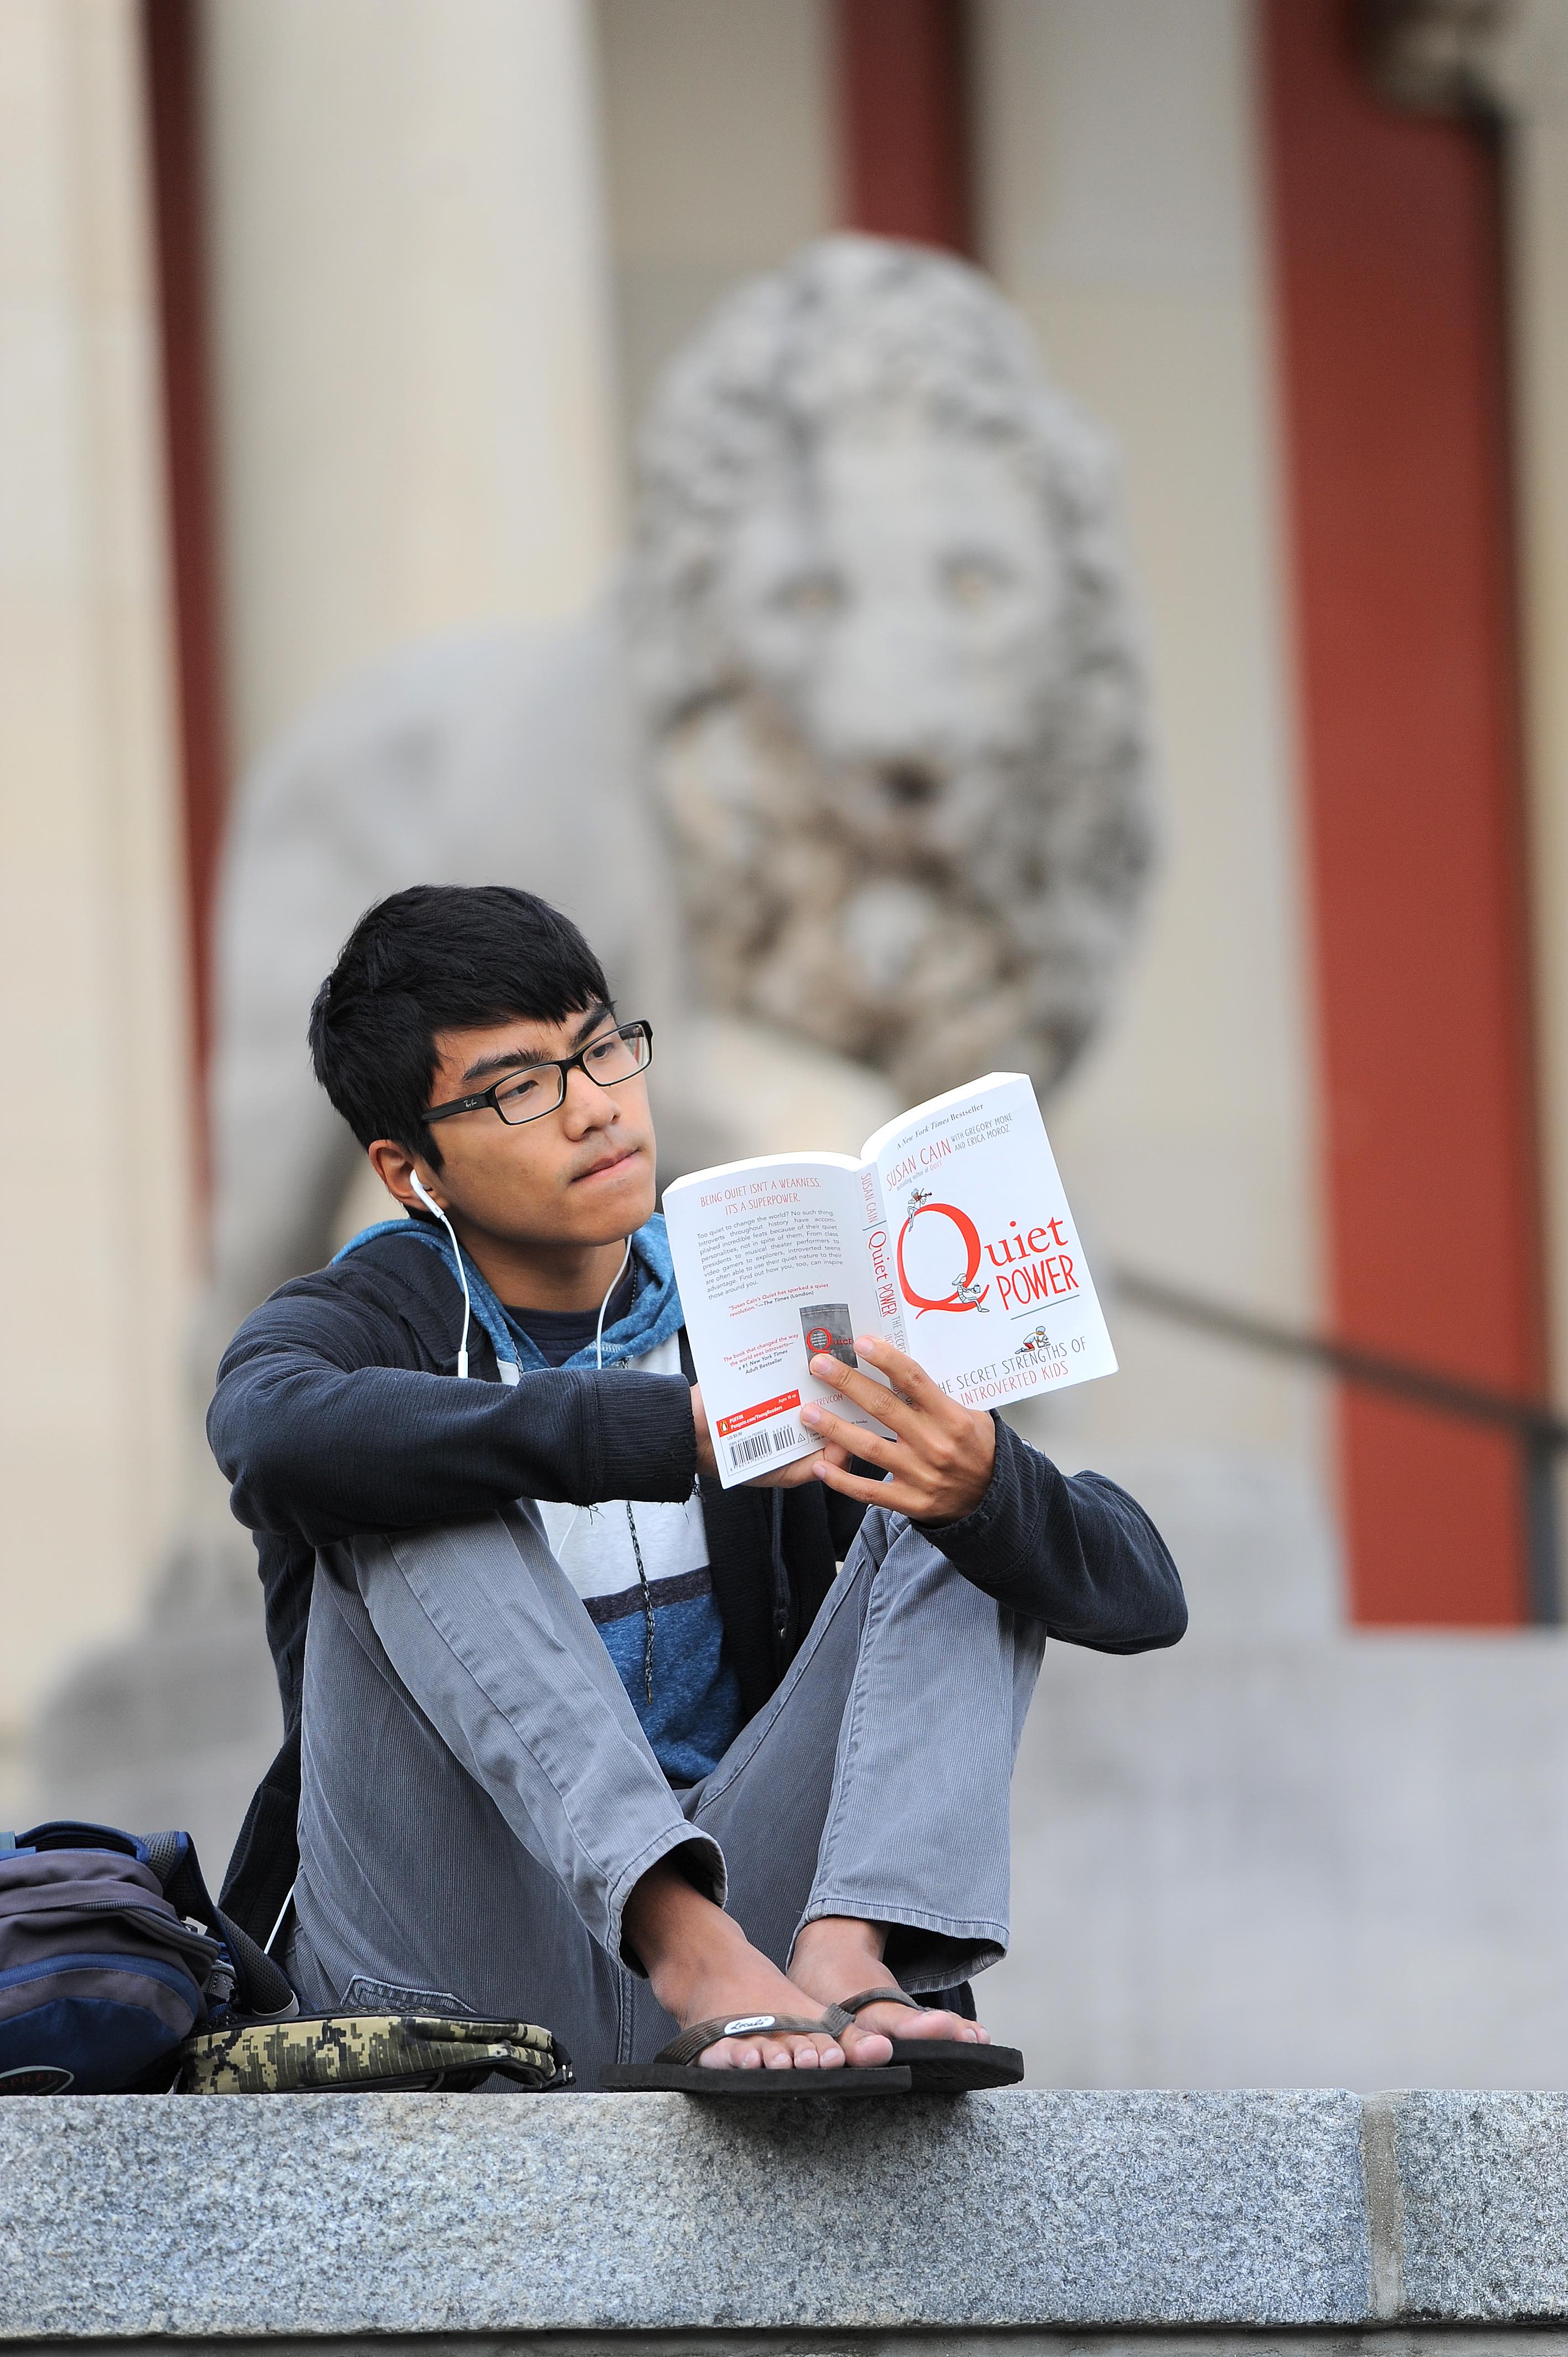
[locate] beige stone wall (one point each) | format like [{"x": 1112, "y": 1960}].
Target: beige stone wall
[
  {"x": 719, "y": 157},
  {"x": 414, "y": 379},
  {"x": 1122, "y": 206},
  {"x": 95, "y": 1206}
]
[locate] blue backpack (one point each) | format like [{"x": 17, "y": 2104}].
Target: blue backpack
[{"x": 111, "y": 1954}]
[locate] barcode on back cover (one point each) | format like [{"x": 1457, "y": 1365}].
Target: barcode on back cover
[{"x": 757, "y": 1445}]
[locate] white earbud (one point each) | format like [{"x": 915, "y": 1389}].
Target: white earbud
[{"x": 431, "y": 1204}]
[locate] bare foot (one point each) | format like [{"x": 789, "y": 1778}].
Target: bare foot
[
  {"x": 836, "y": 1957},
  {"x": 702, "y": 1968}
]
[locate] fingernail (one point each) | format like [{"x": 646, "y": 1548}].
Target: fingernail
[
  {"x": 867, "y": 1343},
  {"x": 811, "y": 1415},
  {"x": 822, "y": 1366}
]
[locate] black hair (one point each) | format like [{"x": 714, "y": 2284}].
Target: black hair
[{"x": 439, "y": 957}]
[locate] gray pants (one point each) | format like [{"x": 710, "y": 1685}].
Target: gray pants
[{"x": 478, "y": 1800}]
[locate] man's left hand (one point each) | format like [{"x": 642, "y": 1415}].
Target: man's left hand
[{"x": 937, "y": 1464}]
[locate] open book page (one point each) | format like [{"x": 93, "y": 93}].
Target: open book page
[
  {"x": 772, "y": 1265},
  {"x": 996, "y": 1297}
]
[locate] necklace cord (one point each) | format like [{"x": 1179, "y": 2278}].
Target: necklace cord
[{"x": 647, "y": 1605}]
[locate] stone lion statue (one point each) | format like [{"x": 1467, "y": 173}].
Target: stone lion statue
[
  {"x": 866, "y": 708},
  {"x": 890, "y": 686}
]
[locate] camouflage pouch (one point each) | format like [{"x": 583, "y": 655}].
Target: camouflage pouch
[{"x": 365, "y": 2052}]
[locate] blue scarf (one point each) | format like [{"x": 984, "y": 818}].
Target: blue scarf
[{"x": 655, "y": 1313}]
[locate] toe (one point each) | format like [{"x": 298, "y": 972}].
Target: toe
[
  {"x": 729, "y": 2054},
  {"x": 816, "y": 2052},
  {"x": 897, "y": 2021}
]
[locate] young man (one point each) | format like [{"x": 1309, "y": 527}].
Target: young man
[{"x": 577, "y": 1736}]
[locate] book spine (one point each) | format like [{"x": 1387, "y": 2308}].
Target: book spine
[{"x": 880, "y": 1252}]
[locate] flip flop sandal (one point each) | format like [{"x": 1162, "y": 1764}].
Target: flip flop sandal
[
  {"x": 941, "y": 2066},
  {"x": 676, "y": 2066}
]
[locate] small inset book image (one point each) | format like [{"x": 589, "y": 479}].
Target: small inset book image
[{"x": 828, "y": 1331}]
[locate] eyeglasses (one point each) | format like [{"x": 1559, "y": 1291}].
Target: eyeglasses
[{"x": 538, "y": 1089}]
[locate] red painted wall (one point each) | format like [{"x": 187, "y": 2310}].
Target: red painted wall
[
  {"x": 170, "y": 37},
  {"x": 1392, "y": 340},
  {"x": 904, "y": 120}
]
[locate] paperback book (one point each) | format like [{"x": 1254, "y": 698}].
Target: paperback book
[{"x": 950, "y": 1235}]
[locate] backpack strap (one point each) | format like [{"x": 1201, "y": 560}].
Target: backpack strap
[
  {"x": 261, "y": 1986},
  {"x": 71, "y": 1833}
]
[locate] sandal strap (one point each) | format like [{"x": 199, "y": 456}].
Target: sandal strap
[
  {"x": 854, "y": 2005},
  {"x": 690, "y": 2043}
]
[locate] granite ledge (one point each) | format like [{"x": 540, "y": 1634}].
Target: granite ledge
[{"x": 341, "y": 2217}]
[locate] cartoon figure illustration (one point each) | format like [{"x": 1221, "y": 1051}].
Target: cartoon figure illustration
[
  {"x": 1038, "y": 1341},
  {"x": 971, "y": 1292},
  {"x": 918, "y": 1195}
]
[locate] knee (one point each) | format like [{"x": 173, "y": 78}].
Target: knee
[
  {"x": 878, "y": 1533},
  {"x": 908, "y": 1555}
]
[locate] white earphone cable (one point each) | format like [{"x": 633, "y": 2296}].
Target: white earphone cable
[
  {"x": 431, "y": 1204},
  {"x": 630, "y": 1517},
  {"x": 599, "y": 1330}
]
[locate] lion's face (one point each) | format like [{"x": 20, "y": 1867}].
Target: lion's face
[
  {"x": 877, "y": 851},
  {"x": 895, "y": 598}
]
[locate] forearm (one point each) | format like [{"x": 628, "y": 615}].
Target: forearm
[
  {"x": 1073, "y": 1550},
  {"x": 329, "y": 1452}
]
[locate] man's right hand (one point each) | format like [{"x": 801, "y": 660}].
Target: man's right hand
[{"x": 793, "y": 1476}]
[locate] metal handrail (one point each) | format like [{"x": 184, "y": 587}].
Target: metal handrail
[{"x": 1539, "y": 1431}]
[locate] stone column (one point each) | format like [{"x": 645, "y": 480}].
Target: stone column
[
  {"x": 413, "y": 387},
  {"x": 94, "y": 1143}
]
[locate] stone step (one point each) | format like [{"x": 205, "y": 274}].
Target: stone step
[{"x": 662, "y": 2222}]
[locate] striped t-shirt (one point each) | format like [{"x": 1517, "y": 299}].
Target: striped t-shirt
[{"x": 693, "y": 1714}]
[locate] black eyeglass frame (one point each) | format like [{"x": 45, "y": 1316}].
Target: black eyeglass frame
[{"x": 565, "y": 1065}]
